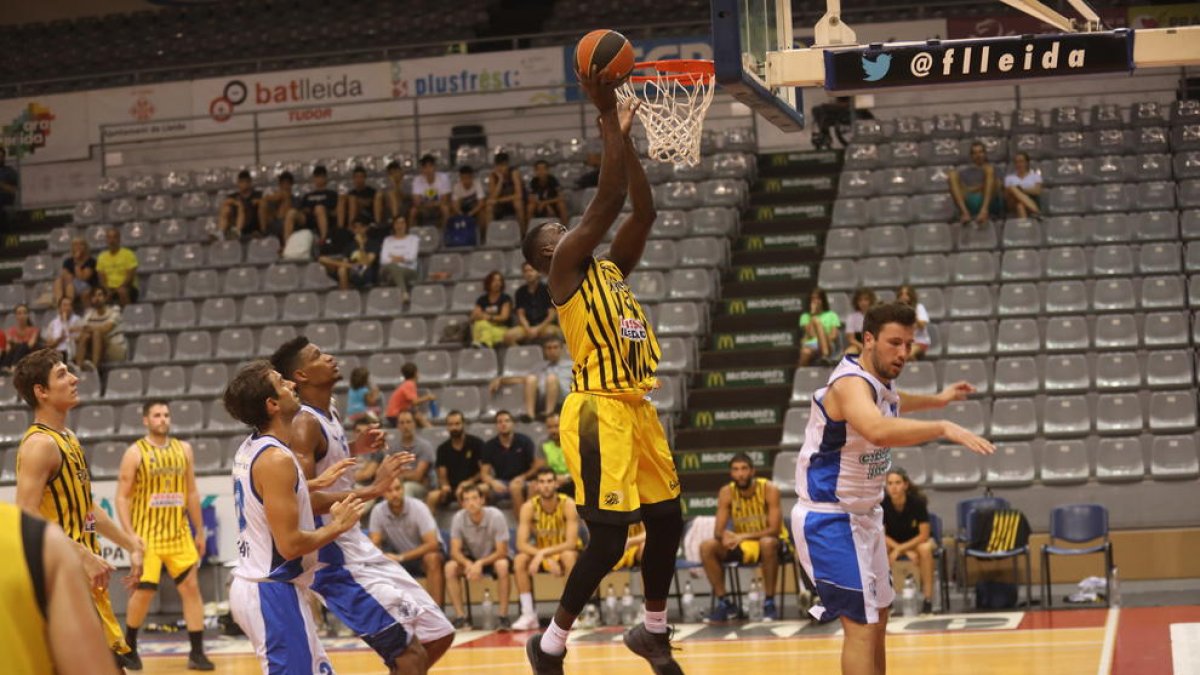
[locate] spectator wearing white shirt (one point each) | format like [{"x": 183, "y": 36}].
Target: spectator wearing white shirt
[
  {"x": 431, "y": 193},
  {"x": 63, "y": 330},
  {"x": 1023, "y": 188},
  {"x": 864, "y": 299},
  {"x": 468, "y": 198},
  {"x": 907, "y": 295},
  {"x": 398, "y": 257}
]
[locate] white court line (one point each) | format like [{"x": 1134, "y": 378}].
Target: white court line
[
  {"x": 1110, "y": 641},
  {"x": 1185, "y": 648}
]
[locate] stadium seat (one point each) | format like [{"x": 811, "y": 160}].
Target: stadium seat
[
  {"x": 1065, "y": 262},
  {"x": 195, "y": 345},
  {"x": 882, "y": 272},
  {"x": 1107, "y": 228},
  {"x": 466, "y": 399},
  {"x": 408, "y": 333},
  {"x": 476, "y": 365},
  {"x": 930, "y": 238},
  {"x": 1015, "y": 376},
  {"x": 974, "y": 267},
  {"x": 679, "y": 318},
  {"x": 161, "y": 286},
  {"x": 503, "y": 234},
  {"x": 1113, "y": 295},
  {"x": 794, "y": 423},
  {"x": 970, "y": 302},
  {"x": 1159, "y": 258},
  {"x": 95, "y": 421},
  {"x": 260, "y": 309},
  {"x": 1020, "y": 264},
  {"x": 1018, "y": 299},
  {"x": 201, "y": 283},
  {"x": 1012, "y": 465},
  {"x": 668, "y": 397},
  {"x": 225, "y": 254},
  {"x": 708, "y": 252},
  {"x": 1066, "y": 373},
  {"x": 648, "y": 286},
  {"x": 301, "y": 306},
  {"x": 272, "y": 337},
  {"x": 216, "y": 312},
  {"x": 208, "y": 379},
  {"x": 235, "y": 343},
  {"x": 849, "y": 213},
  {"x": 1162, "y": 293},
  {"x": 364, "y": 336},
  {"x": 1120, "y": 459},
  {"x": 1064, "y": 462},
  {"x": 314, "y": 277},
  {"x": 264, "y": 251},
  {"x": 712, "y": 221},
  {"x": 1065, "y": 231},
  {"x": 1169, "y": 369},
  {"x": 137, "y": 318},
  {"x": 427, "y": 299},
  {"x": 435, "y": 367},
  {"x": 1066, "y": 416},
  {"x": 165, "y": 382},
  {"x": 325, "y": 335},
  {"x": 1112, "y": 259},
  {"x": 967, "y": 338},
  {"x": 806, "y": 381},
  {"x": 341, "y": 305},
  {"x": 1174, "y": 458},
  {"x": 918, "y": 377},
  {"x": 837, "y": 275},
  {"x": 524, "y": 359},
  {"x": 1156, "y": 226},
  {"x": 152, "y": 347},
  {"x": 693, "y": 283},
  {"x": 124, "y": 383},
  {"x": 1173, "y": 411},
  {"x": 969, "y": 414},
  {"x": 955, "y": 467},
  {"x": 282, "y": 278},
  {"x": 1013, "y": 418},
  {"x": 1065, "y": 297},
  {"x": 1066, "y": 333},
  {"x": 844, "y": 243},
  {"x": 385, "y": 368},
  {"x": 1118, "y": 371},
  {"x": 931, "y": 269},
  {"x": 1117, "y": 331},
  {"x": 1119, "y": 413},
  {"x": 1165, "y": 329},
  {"x": 241, "y": 281},
  {"x": 177, "y": 314},
  {"x": 219, "y": 418}
]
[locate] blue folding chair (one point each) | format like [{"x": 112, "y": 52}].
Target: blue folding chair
[
  {"x": 963, "y": 512},
  {"x": 1078, "y": 524},
  {"x": 939, "y": 558}
]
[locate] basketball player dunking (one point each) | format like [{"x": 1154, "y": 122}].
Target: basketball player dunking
[{"x": 612, "y": 440}]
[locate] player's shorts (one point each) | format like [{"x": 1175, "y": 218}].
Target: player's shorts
[
  {"x": 382, "y": 604},
  {"x": 179, "y": 561},
  {"x": 845, "y": 554},
  {"x": 629, "y": 558},
  {"x": 749, "y": 551},
  {"x": 557, "y": 557},
  {"x": 276, "y": 618},
  {"x": 618, "y": 456},
  {"x": 113, "y": 635}
]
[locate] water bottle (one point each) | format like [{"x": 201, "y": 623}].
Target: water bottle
[
  {"x": 487, "y": 611},
  {"x": 434, "y": 410},
  {"x": 689, "y": 603},
  {"x": 1115, "y": 591},
  {"x": 590, "y": 618},
  {"x": 610, "y": 613},
  {"x": 628, "y": 610},
  {"x": 910, "y": 604},
  {"x": 754, "y": 601}
]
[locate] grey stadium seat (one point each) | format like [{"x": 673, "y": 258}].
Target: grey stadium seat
[
  {"x": 844, "y": 243},
  {"x": 679, "y": 318},
  {"x": 1169, "y": 369},
  {"x": 1066, "y": 373},
  {"x": 1107, "y": 228},
  {"x": 194, "y": 345},
  {"x": 152, "y": 347},
  {"x": 408, "y": 333},
  {"x": 1114, "y": 295},
  {"x": 930, "y": 238},
  {"x": 794, "y": 423},
  {"x": 1065, "y": 262},
  {"x": 1173, "y": 411},
  {"x": 507, "y": 397},
  {"x": 201, "y": 283},
  {"x": 434, "y": 366},
  {"x": 326, "y": 335},
  {"x": 806, "y": 381},
  {"x": 912, "y": 460},
  {"x": 177, "y": 314},
  {"x": 1159, "y": 258},
  {"x": 95, "y": 420},
  {"x": 13, "y": 424},
  {"x": 882, "y": 272},
  {"x": 1116, "y": 331},
  {"x": 1120, "y": 459},
  {"x": 282, "y": 278},
  {"x": 955, "y": 467},
  {"x": 235, "y": 343},
  {"x": 1016, "y": 375},
  {"x": 225, "y": 254},
  {"x": 385, "y": 368},
  {"x": 259, "y": 309},
  {"x": 161, "y": 286},
  {"x": 931, "y": 269},
  {"x": 104, "y": 460},
  {"x": 690, "y": 284},
  {"x": 272, "y": 337},
  {"x": 1165, "y": 329},
  {"x": 463, "y": 296},
  {"x": 208, "y": 379},
  {"x": 241, "y": 280},
  {"x": 364, "y": 336},
  {"x": 1065, "y": 231},
  {"x": 124, "y": 383},
  {"x": 466, "y": 399},
  {"x": 1066, "y": 333},
  {"x": 970, "y": 302},
  {"x": 1019, "y": 299},
  {"x": 1162, "y": 293},
  {"x": 1066, "y": 297},
  {"x": 219, "y": 418},
  {"x": 384, "y": 301},
  {"x": 302, "y": 306},
  {"x": 427, "y": 299},
  {"x": 1020, "y": 264},
  {"x": 1119, "y": 414},
  {"x": 974, "y": 371},
  {"x": 217, "y": 312},
  {"x": 918, "y": 377},
  {"x": 476, "y": 365},
  {"x": 974, "y": 267},
  {"x": 1118, "y": 371},
  {"x": 1174, "y": 458},
  {"x": 677, "y": 355},
  {"x": 967, "y": 338},
  {"x": 1011, "y": 465},
  {"x": 1112, "y": 259},
  {"x": 314, "y": 277},
  {"x": 1013, "y": 418},
  {"x": 709, "y": 252},
  {"x": 968, "y": 414},
  {"x": 1066, "y": 416},
  {"x": 166, "y": 382},
  {"x": 1064, "y": 462},
  {"x": 342, "y": 305}
]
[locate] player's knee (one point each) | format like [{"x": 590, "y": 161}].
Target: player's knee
[
  {"x": 434, "y": 561},
  {"x": 768, "y": 545}
]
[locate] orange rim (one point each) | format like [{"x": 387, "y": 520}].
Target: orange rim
[{"x": 683, "y": 71}]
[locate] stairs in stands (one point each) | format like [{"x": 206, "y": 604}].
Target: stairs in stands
[
  {"x": 741, "y": 391},
  {"x": 25, "y": 234}
]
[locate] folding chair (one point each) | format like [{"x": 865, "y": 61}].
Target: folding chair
[{"x": 1077, "y": 524}]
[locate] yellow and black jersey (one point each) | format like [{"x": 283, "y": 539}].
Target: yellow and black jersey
[
  {"x": 160, "y": 493},
  {"x": 67, "y": 499},
  {"x": 749, "y": 514},
  {"x": 549, "y": 527},
  {"x": 23, "y": 587},
  {"x": 608, "y": 334}
]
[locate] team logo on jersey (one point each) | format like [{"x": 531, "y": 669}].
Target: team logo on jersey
[
  {"x": 633, "y": 329},
  {"x": 612, "y": 498}
]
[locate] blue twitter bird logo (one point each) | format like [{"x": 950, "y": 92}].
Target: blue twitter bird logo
[{"x": 874, "y": 71}]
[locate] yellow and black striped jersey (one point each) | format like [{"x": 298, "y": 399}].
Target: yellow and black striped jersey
[
  {"x": 67, "y": 499},
  {"x": 23, "y": 587},
  {"x": 607, "y": 333},
  {"x": 749, "y": 514},
  {"x": 158, "y": 508},
  {"x": 549, "y": 527}
]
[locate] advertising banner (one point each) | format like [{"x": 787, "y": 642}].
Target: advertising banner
[
  {"x": 45, "y": 128},
  {"x": 1164, "y": 16},
  {"x": 310, "y": 94},
  {"x": 139, "y": 110},
  {"x": 501, "y": 80},
  {"x": 1019, "y": 24}
]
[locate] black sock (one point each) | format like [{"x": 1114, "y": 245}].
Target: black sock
[
  {"x": 197, "y": 639},
  {"x": 131, "y": 636}
]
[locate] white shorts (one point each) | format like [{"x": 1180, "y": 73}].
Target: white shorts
[
  {"x": 277, "y": 619},
  {"x": 382, "y": 604},
  {"x": 845, "y": 555}
]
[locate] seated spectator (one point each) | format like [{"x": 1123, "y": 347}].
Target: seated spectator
[
  {"x": 547, "y": 541},
  {"x": 467, "y": 198},
  {"x": 750, "y": 506},
  {"x": 238, "y": 216},
  {"x": 974, "y": 188},
  {"x": 506, "y": 192},
  {"x": 9, "y": 187},
  {"x": 407, "y": 397},
  {"x": 551, "y": 453},
  {"x": 507, "y": 462},
  {"x": 360, "y": 200},
  {"x": 404, "y": 529},
  {"x": 457, "y": 462},
  {"x": 537, "y": 317},
  {"x": 546, "y": 199},
  {"x": 492, "y": 314},
  {"x": 392, "y": 201},
  {"x": 101, "y": 339},
  {"x": 430, "y": 194},
  {"x": 1023, "y": 188},
  {"x": 63, "y": 330},
  {"x": 835, "y": 116},
  {"x": 907, "y": 295},
  {"x": 275, "y": 207},
  {"x": 864, "y": 299},
  {"x": 820, "y": 325},
  {"x": 21, "y": 338},
  {"x": 117, "y": 268},
  {"x": 78, "y": 275},
  {"x": 363, "y": 396},
  {"x": 550, "y": 383},
  {"x": 350, "y": 259},
  {"x": 478, "y": 546},
  {"x": 906, "y": 529},
  {"x": 318, "y": 207},
  {"x": 592, "y": 177},
  {"x": 635, "y": 547},
  {"x": 418, "y": 476},
  {"x": 399, "y": 257}
]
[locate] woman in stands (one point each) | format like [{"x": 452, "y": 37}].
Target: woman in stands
[
  {"x": 921, "y": 341},
  {"x": 78, "y": 274},
  {"x": 492, "y": 315},
  {"x": 864, "y": 299},
  {"x": 906, "y": 528},
  {"x": 820, "y": 325},
  {"x": 1023, "y": 188},
  {"x": 21, "y": 338}
]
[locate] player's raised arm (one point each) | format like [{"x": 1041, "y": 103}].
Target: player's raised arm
[
  {"x": 852, "y": 399},
  {"x": 630, "y": 240}
]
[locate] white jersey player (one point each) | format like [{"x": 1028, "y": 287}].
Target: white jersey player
[
  {"x": 374, "y": 596},
  {"x": 277, "y": 538},
  {"x": 838, "y": 520}
]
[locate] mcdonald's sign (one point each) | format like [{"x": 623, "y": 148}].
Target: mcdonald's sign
[
  {"x": 779, "y": 159},
  {"x": 714, "y": 378},
  {"x": 725, "y": 341},
  {"x": 765, "y": 213},
  {"x": 746, "y": 274},
  {"x": 689, "y": 461},
  {"x": 704, "y": 419},
  {"x": 772, "y": 185},
  {"x": 754, "y": 243},
  {"x": 737, "y": 307}
]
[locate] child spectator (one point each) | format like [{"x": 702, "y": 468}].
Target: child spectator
[
  {"x": 363, "y": 396},
  {"x": 406, "y": 397},
  {"x": 921, "y": 341},
  {"x": 820, "y": 325},
  {"x": 864, "y": 299},
  {"x": 467, "y": 198}
]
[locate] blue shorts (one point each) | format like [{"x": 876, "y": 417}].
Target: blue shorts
[{"x": 845, "y": 555}]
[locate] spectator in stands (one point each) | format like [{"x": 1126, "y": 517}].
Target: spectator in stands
[
  {"x": 750, "y": 507},
  {"x": 407, "y": 397},
  {"x": 1023, "y": 188},
  {"x": 431, "y": 194},
  {"x": 101, "y": 340},
  {"x": 78, "y": 275},
  {"x": 492, "y": 314},
  {"x": 478, "y": 546},
  {"x": 550, "y": 381},
  {"x": 974, "y": 188},
  {"x": 398, "y": 257},
  {"x": 418, "y": 475},
  {"x": 864, "y": 299},
  {"x": 350, "y": 259},
  {"x": 906, "y": 530},
  {"x": 404, "y": 529},
  {"x": 506, "y": 192},
  {"x": 468, "y": 198},
  {"x": 317, "y": 208},
  {"x": 835, "y": 116},
  {"x": 274, "y": 208},
  {"x": 820, "y": 325},
  {"x": 21, "y": 338},
  {"x": 546, "y": 199},
  {"x": 547, "y": 541},
  {"x": 457, "y": 462},
  {"x": 63, "y": 330},
  {"x": 591, "y": 178},
  {"x": 507, "y": 463},
  {"x": 907, "y": 295},
  {"x": 537, "y": 317},
  {"x": 551, "y": 453},
  {"x": 360, "y": 200},
  {"x": 9, "y": 186},
  {"x": 239, "y": 212},
  {"x": 117, "y": 268},
  {"x": 363, "y": 396},
  {"x": 392, "y": 201}
]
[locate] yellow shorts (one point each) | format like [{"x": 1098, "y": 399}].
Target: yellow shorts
[
  {"x": 629, "y": 558},
  {"x": 557, "y": 557},
  {"x": 112, "y": 628},
  {"x": 179, "y": 560},
  {"x": 749, "y": 551},
  {"x": 618, "y": 457}
]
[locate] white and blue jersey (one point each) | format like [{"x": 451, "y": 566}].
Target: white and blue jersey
[{"x": 838, "y": 520}]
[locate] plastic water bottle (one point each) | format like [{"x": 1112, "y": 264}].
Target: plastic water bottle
[
  {"x": 487, "y": 611},
  {"x": 910, "y": 603},
  {"x": 689, "y": 603},
  {"x": 590, "y": 618},
  {"x": 754, "y": 601},
  {"x": 610, "y": 613},
  {"x": 1115, "y": 591},
  {"x": 628, "y": 610}
]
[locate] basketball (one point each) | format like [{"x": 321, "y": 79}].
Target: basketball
[{"x": 608, "y": 51}]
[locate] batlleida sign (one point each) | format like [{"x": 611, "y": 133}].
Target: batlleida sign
[{"x": 696, "y": 462}]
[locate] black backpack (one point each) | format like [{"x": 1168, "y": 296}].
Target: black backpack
[{"x": 998, "y": 530}]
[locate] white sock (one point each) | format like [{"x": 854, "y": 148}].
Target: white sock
[
  {"x": 656, "y": 622},
  {"x": 554, "y": 640},
  {"x": 527, "y": 608}
]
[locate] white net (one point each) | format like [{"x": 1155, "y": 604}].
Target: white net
[{"x": 672, "y": 111}]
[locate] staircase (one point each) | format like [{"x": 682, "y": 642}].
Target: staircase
[
  {"x": 26, "y": 234},
  {"x": 739, "y": 395}
]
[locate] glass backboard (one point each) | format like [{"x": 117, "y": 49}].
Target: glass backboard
[{"x": 744, "y": 32}]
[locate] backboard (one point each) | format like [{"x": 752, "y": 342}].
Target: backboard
[{"x": 744, "y": 33}]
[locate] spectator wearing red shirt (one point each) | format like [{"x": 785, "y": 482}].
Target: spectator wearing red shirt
[{"x": 406, "y": 397}]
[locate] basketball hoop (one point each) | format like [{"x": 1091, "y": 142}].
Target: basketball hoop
[{"x": 674, "y": 98}]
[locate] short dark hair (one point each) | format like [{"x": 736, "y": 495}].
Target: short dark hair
[
  {"x": 359, "y": 169},
  {"x": 541, "y": 162},
  {"x": 456, "y": 413},
  {"x": 32, "y": 370},
  {"x": 360, "y": 377},
  {"x": 244, "y": 174},
  {"x": 408, "y": 370},
  {"x": 286, "y": 358},
  {"x": 543, "y": 471},
  {"x": 319, "y": 170},
  {"x": 496, "y": 417},
  {"x": 150, "y": 404},
  {"x": 530, "y": 245},
  {"x": 471, "y": 487},
  {"x": 979, "y": 144},
  {"x": 501, "y": 158},
  {"x": 889, "y": 312},
  {"x": 245, "y": 397},
  {"x": 408, "y": 412},
  {"x": 287, "y": 175},
  {"x": 741, "y": 457},
  {"x": 466, "y": 170},
  {"x": 428, "y": 160},
  {"x": 393, "y": 165}
]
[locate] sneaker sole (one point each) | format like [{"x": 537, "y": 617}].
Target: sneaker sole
[{"x": 670, "y": 668}]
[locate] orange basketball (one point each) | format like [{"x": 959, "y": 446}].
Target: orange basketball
[{"x": 608, "y": 51}]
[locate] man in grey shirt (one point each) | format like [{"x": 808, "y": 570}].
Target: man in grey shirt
[
  {"x": 418, "y": 476},
  {"x": 404, "y": 529},
  {"x": 478, "y": 546}
]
